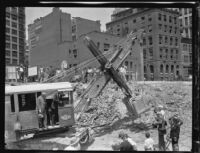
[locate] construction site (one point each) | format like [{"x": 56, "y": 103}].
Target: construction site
[{"x": 107, "y": 104}]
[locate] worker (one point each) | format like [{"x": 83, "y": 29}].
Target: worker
[
  {"x": 161, "y": 124},
  {"x": 41, "y": 109},
  {"x": 148, "y": 143},
  {"x": 175, "y": 123},
  {"x": 74, "y": 145},
  {"x": 122, "y": 71}
]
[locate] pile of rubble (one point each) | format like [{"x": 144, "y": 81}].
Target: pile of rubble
[{"x": 174, "y": 97}]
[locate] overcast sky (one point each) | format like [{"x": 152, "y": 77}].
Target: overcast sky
[{"x": 102, "y": 14}]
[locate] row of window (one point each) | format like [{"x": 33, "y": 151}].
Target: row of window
[
  {"x": 148, "y": 53},
  {"x": 170, "y": 19},
  {"x": 187, "y": 47},
  {"x": 15, "y": 17},
  {"x": 14, "y": 61},
  {"x": 167, "y": 28},
  {"x": 165, "y": 54},
  {"x": 150, "y": 40},
  {"x": 14, "y": 32},
  {"x": 14, "y": 46},
  {"x": 187, "y": 21},
  {"x": 167, "y": 68},
  {"x": 128, "y": 64},
  {"x": 168, "y": 40}
]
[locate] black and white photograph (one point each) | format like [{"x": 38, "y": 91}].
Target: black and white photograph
[{"x": 98, "y": 78}]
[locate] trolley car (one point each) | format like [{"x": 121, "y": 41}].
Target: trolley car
[{"x": 21, "y": 117}]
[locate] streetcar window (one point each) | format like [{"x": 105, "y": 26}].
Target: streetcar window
[
  {"x": 64, "y": 99},
  {"x": 27, "y": 102},
  {"x": 10, "y": 99}
]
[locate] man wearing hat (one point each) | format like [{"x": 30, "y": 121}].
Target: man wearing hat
[
  {"x": 40, "y": 106},
  {"x": 175, "y": 123}
]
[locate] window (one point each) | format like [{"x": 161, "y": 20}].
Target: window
[
  {"x": 134, "y": 21},
  {"x": 151, "y": 69},
  {"x": 143, "y": 18},
  {"x": 181, "y": 22},
  {"x": 170, "y": 29},
  {"x": 175, "y": 20},
  {"x": 73, "y": 37},
  {"x": 159, "y": 17},
  {"x": 171, "y": 41},
  {"x": 165, "y": 30},
  {"x": 75, "y": 53},
  {"x": 7, "y": 53},
  {"x": 190, "y": 10},
  {"x": 185, "y": 10},
  {"x": 166, "y": 53},
  {"x": 175, "y": 30},
  {"x": 126, "y": 63},
  {"x": 161, "y": 68},
  {"x": 14, "y": 54},
  {"x": 7, "y": 15},
  {"x": 170, "y": 19},
  {"x": 69, "y": 51},
  {"x": 165, "y": 17},
  {"x": 186, "y": 21},
  {"x": 131, "y": 65},
  {"x": 176, "y": 51},
  {"x": 21, "y": 34},
  {"x": 14, "y": 32},
  {"x": 7, "y": 30},
  {"x": 21, "y": 27},
  {"x": 106, "y": 47},
  {"x": 186, "y": 33},
  {"x": 14, "y": 17},
  {"x": 144, "y": 53},
  {"x": 161, "y": 53},
  {"x": 27, "y": 102},
  {"x": 186, "y": 59},
  {"x": 160, "y": 26},
  {"x": 160, "y": 39},
  {"x": 167, "y": 68},
  {"x": 144, "y": 41},
  {"x": 172, "y": 53},
  {"x": 7, "y": 22},
  {"x": 10, "y": 99},
  {"x": 149, "y": 19},
  {"x": 7, "y": 45},
  {"x": 151, "y": 53},
  {"x": 14, "y": 39},
  {"x": 73, "y": 28},
  {"x": 190, "y": 20},
  {"x": 172, "y": 68},
  {"x": 21, "y": 48},
  {"x": 150, "y": 40},
  {"x": 14, "y": 61},
  {"x": 145, "y": 69},
  {"x": 7, "y": 60},
  {"x": 14, "y": 46},
  {"x": 150, "y": 28},
  {"x": 166, "y": 39},
  {"x": 7, "y": 37},
  {"x": 176, "y": 41},
  {"x": 14, "y": 25}
]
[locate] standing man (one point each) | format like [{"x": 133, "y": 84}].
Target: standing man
[
  {"x": 41, "y": 109},
  {"x": 148, "y": 143},
  {"x": 161, "y": 125},
  {"x": 175, "y": 123}
]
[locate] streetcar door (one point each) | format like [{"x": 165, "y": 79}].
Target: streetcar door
[
  {"x": 65, "y": 108},
  {"x": 27, "y": 110}
]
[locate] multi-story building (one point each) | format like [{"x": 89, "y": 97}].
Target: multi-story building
[
  {"x": 45, "y": 35},
  {"x": 186, "y": 47},
  {"x": 161, "y": 53},
  {"x": 15, "y": 41},
  {"x": 62, "y": 39},
  {"x": 15, "y": 36}
]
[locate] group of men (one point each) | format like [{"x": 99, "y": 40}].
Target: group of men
[
  {"x": 47, "y": 108},
  {"x": 161, "y": 124}
]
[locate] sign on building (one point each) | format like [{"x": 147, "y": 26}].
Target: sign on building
[{"x": 32, "y": 71}]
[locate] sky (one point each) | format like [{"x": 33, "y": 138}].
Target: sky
[{"x": 102, "y": 14}]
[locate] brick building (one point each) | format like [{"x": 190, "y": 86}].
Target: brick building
[{"x": 161, "y": 44}]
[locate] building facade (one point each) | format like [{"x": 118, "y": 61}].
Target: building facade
[
  {"x": 15, "y": 36},
  {"x": 161, "y": 43},
  {"x": 186, "y": 47}
]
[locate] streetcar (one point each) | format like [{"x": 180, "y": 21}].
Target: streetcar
[{"x": 21, "y": 117}]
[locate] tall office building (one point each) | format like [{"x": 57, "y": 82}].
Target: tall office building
[
  {"x": 15, "y": 36},
  {"x": 161, "y": 53}
]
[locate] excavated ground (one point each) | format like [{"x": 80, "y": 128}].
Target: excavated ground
[{"x": 109, "y": 111}]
